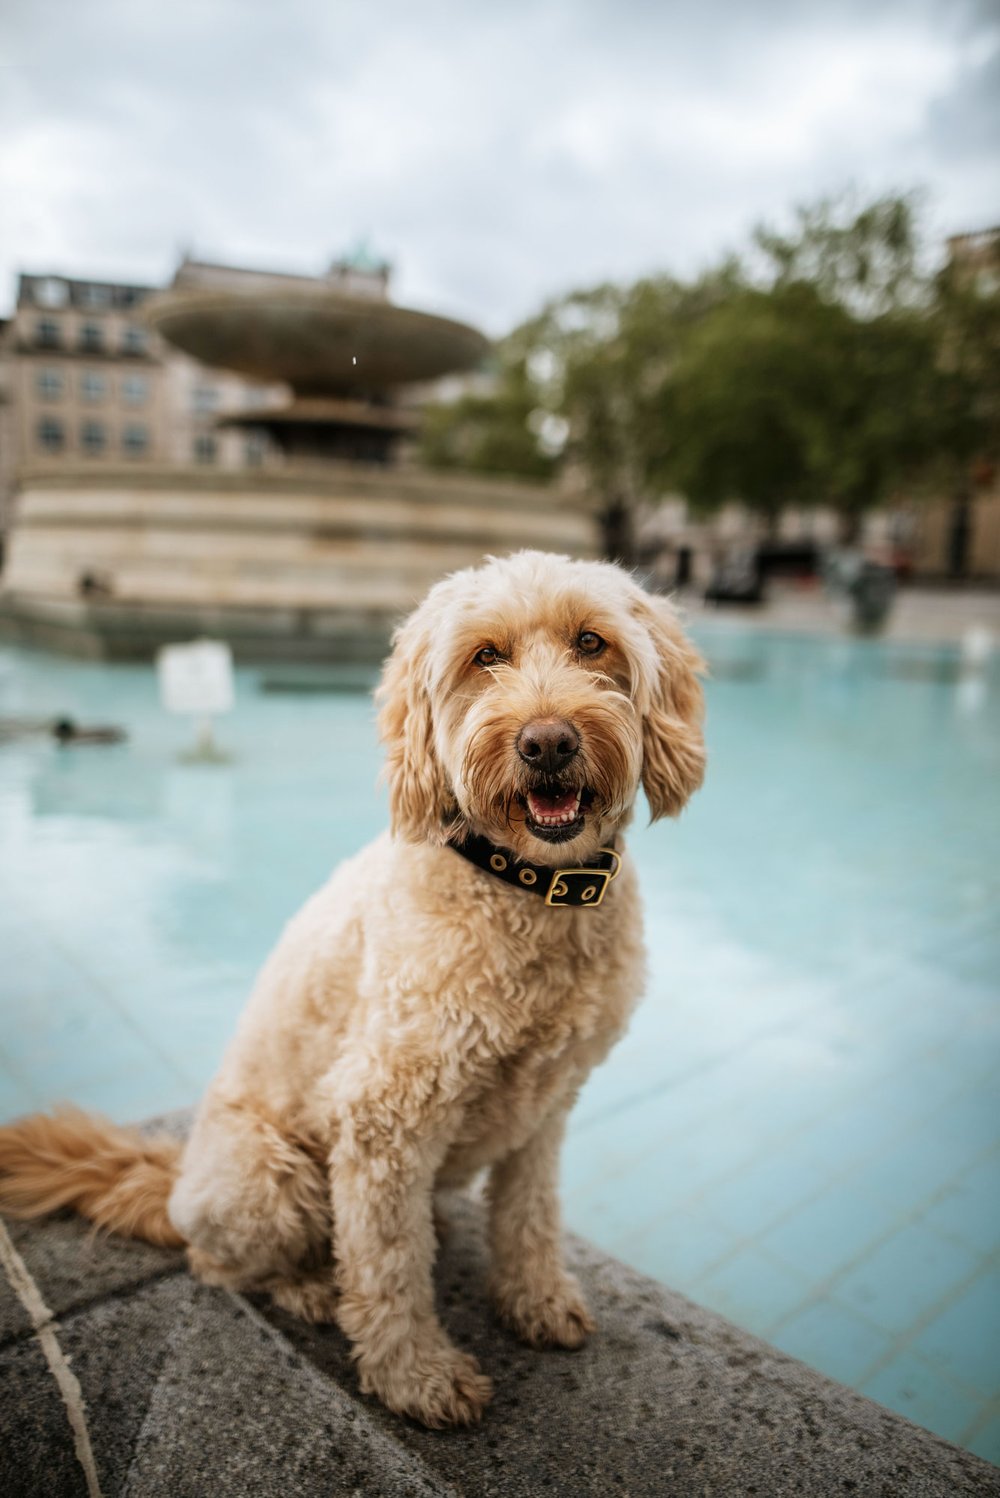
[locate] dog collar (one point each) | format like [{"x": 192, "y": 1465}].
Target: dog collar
[{"x": 582, "y": 884}]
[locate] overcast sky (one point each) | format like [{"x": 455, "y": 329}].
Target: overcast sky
[{"x": 497, "y": 151}]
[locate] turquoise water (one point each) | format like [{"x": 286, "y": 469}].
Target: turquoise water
[{"x": 801, "y": 1129}]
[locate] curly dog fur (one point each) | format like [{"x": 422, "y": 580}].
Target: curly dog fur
[{"x": 419, "y": 1020}]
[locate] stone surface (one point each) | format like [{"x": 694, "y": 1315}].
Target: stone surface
[
  {"x": 191, "y": 1391},
  {"x": 206, "y": 1399},
  {"x": 36, "y": 1448},
  {"x": 14, "y": 1319},
  {"x": 73, "y": 1265}
]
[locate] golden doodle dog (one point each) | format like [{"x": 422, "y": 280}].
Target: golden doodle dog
[{"x": 433, "y": 1011}]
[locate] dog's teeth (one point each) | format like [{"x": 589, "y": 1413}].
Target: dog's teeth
[{"x": 554, "y": 818}]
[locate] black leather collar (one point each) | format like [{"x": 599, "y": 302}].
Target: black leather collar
[{"x": 581, "y": 884}]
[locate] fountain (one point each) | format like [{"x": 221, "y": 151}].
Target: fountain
[{"x": 314, "y": 554}]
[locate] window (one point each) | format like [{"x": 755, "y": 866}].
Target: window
[
  {"x": 134, "y": 340},
  {"x": 255, "y": 449},
  {"x": 93, "y": 438},
  {"x": 204, "y": 398},
  {"x": 204, "y": 448},
  {"x": 135, "y": 441},
  {"x": 49, "y": 384},
  {"x": 51, "y": 292},
  {"x": 92, "y": 386},
  {"x": 51, "y": 435},
  {"x": 135, "y": 390},
  {"x": 92, "y": 294},
  {"x": 92, "y": 337},
  {"x": 48, "y": 334}
]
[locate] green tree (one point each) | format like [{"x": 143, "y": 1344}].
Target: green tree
[
  {"x": 747, "y": 400},
  {"x": 828, "y": 367},
  {"x": 866, "y": 258},
  {"x": 783, "y": 397},
  {"x": 601, "y": 360},
  {"x": 489, "y": 433},
  {"x": 826, "y": 383}
]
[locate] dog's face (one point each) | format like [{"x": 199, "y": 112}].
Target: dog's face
[{"x": 527, "y": 699}]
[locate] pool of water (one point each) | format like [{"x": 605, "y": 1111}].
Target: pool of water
[{"x": 801, "y": 1128}]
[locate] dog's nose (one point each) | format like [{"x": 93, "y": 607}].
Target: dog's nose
[{"x": 548, "y": 744}]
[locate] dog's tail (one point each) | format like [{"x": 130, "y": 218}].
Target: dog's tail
[{"x": 119, "y": 1178}]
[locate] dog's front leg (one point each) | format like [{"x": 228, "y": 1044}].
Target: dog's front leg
[
  {"x": 382, "y": 1179},
  {"x": 533, "y": 1291}
]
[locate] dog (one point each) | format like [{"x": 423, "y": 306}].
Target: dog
[{"x": 432, "y": 1012}]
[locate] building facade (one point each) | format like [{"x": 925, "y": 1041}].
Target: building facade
[{"x": 83, "y": 380}]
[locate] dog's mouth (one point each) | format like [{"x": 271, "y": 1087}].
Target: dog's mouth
[{"x": 555, "y": 814}]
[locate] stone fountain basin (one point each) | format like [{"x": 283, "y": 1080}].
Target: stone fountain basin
[{"x": 317, "y": 341}]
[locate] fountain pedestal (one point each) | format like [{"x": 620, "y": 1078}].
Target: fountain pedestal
[
  {"x": 311, "y": 563},
  {"x": 314, "y": 555}
]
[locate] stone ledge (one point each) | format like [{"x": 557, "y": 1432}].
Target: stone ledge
[
  {"x": 193, "y": 1392},
  {"x": 419, "y": 485}
]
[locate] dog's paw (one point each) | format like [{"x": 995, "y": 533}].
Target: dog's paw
[
  {"x": 556, "y": 1316},
  {"x": 212, "y": 1271},
  {"x": 438, "y": 1386},
  {"x": 312, "y": 1297}
]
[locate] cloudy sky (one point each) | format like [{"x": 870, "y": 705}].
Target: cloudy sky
[{"x": 497, "y": 151}]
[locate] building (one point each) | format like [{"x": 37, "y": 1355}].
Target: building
[
  {"x": 83, "y": 379},
  {"x": 975, "y": 258},
  {"x": 957, "y": 537}
]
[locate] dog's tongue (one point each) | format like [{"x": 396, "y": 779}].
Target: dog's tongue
[{"x": 552, "y": 806}]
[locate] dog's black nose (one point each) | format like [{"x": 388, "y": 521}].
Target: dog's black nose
[{"x": 548, "y": 744}]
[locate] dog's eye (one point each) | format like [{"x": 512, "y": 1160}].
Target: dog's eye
[
  {"x": 590, "y": 643},
  {"x": 488, "y": 656}
]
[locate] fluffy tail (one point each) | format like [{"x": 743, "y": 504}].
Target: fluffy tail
[{"x": 118, "y": 1178}]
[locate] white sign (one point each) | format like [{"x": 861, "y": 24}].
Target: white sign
[{"x": 196, "y": 678}]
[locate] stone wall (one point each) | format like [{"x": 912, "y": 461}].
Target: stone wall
[{"x": 102, "y": 561}]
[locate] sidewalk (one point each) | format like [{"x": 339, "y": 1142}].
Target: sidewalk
[{"x": 924, "y": 615}]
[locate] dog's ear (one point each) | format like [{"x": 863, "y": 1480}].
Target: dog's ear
[
  {"x": 673, "y": 746},
  {"x": 420, "y": 803}
]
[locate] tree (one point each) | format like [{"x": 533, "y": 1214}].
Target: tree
[
  {"x": 829, "y": 367},
  {"x": 747, "y": 400},
  {"x": 882, "y": 431},
  {"x": 866, "y": 259},
  {"x": 783, "y": 397},
  {"x": 825, "y": 384},
  {"x": 489, "y": 433},
  {"x": 601, "y": 359}
]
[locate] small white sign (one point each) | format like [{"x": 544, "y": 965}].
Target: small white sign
[{"x": 196, "y": 678}]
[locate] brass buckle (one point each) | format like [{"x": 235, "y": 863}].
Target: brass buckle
[{"x": 559, "y": 889}]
